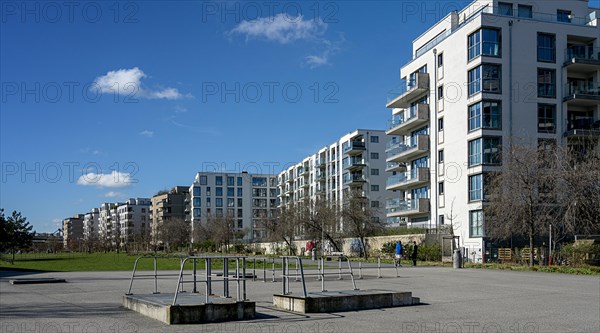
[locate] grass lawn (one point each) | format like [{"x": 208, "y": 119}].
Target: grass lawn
[{"x": 78, "y": 262}]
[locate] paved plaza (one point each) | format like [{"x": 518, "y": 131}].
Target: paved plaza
[{"x": 465, "y": 300}]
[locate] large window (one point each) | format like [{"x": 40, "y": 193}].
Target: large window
[
  {"x": 484, "y": 42},
  {"x": 218, "y": 180},
  {"x": 525, "y": 11},
  {"x": 505, "y": 8},
  {"x": 476, "y": 223},
  {"x": 476, "y": 187},
  {"x": 485, "y": 151},
  {"x": 219, "y": 191},
  {"x": 230, "y": 181},
  {"x": 196, "y": 190},
  {"x": 203, "y": 180},
  {"x": 546, "y": 118},
  {"x": 546, "y": 83},
  {"x": 546, "y": 47},
  {"x": 259, "y": 181},
  {"x": 485, "y": 114},
  {"x": 485, "y": 78},
  {"x": 563, "y": 15}
]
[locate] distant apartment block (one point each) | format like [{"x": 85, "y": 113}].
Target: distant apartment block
[
  {"x": 91, "y": 225},
  {"x": 108, "y": 225},
  {"x": 73, "y": 231},
  {"x": 355, "y": 162},
  {"x": 479, "y": 79},
  {"x": 166, "y": 207},
  {"x": 242, "y": 197},
  {"x": 134, "y": 221}
]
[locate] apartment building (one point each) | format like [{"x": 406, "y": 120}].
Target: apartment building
[
  {"x": 242, "y": 197},
  {"x": 354, "y": 162},
  {"x": 91, "y": 225},
  {"x": 134, "y": 221},
  {"x": 108, "y": 225},
  {"x": 479, "y": 79},
  {"x": 73, "y": 232},
  {"x": 167, "y": 206}
]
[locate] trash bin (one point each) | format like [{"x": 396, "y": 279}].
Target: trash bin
[
  {"x": 314, "y": 254},
  {"x": 456, "y": 259}
]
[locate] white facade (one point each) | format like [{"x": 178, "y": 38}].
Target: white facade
[
  {"x": 73, "y": 232},
  {"x": 354, "y": 162},
  {"x": 108, "y": 225},
  {"x": 91, "y": 225},
  {"x": 496, "y": 72},
  {"x": 134, "y": 220},
  {"x": 245, "y": 198}
]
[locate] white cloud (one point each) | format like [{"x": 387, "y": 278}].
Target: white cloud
[
  {"x": 112, "y": 194},
  {"x": 329, "y": 49},
  {"x": 112, "y": 180},
  {"x": 281, "y": 28},
  {"x": 147, "y": 133},
  {"x": 128, "y": 82}
]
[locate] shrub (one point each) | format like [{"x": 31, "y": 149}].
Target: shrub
[{"x": 580, "y": 253}]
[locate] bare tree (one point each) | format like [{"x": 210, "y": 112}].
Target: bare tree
[
  {"x": 175, "y": 233},
  {"x": 221, "y": 230},
  {"x": 282, "y": 227},
  {"x": 320, "y": 219},
  {"x": 359, "y": 220},
  {"x": 522, "y": 197}
]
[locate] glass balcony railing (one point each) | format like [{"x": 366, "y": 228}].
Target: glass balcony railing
[
  {"x": 584, "y": 123},
  {"x": 393, "y": 165},
  {"x": 354, "y": 178},
  {"x": 399, "y": 148},
  {"x": 403, "y": 117},
  {"x": 350, "y": 162},
  {"x": 582, "y": 88},
  {"x": 354, "y": 145},
  {"x": 403, "y": 177},
  {"x": 398, "y": 206},
  {"x": 582, "y": 52}
]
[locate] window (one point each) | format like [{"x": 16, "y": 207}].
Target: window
[
  {"x": 218, "y": 180},
  {"x": 203, "y": 180},
  {"x": 219, "y": 202},
  {"x": 374, "y": 172},
  {"x": 374, "y": 188},
  {"x": 240, "y": 202},
  {"x": 207, "y": 202},
  {"x": 440, "y": 124},
  {"x": 546, "y": 83},
  {"x": 485, "y": 114},
  {"x": 196, "y": 191},
  {"x": 440, "y": 60},
  {"x": 525, "y": 11},
  {"x": 546, "y": 47},
  {"x": 484, "y": 42},
  {"x": 259, "y": 181},
  {"x": 196, "y": 202},
  {"x": 230, "y": 202},
  {"x": 239, "y": 192},
  {"x": 486, "y": 78},
  {"x": 441, "y": 219},
  {"x": 375, "y": 204},
  {"x": 230, "y": 191},
  {"x": 546, "y": 118},
  {"x": 240, "y": 213},
  {"x": 563, "y": 16},
  {"x": 485, "y": 151},
  {"x": 230, "y": 181},
  {"x": 476, "y": 223},
  {"x": 441, "y": 156},
  {"x": 374, "y": 156},
  {"x": 239, "y": 181},
  {"x": 476, "y": 187},
  {"x": 374, "y": 139},
  {"x": 240, "y": 224},
  {"x": 219, "y": 191},
  {"x": 474, "y": 152},
  {"x": 208, "y": 191},
  {"x": 475, "y": 80},
  {"x": 196, "y": 212},
  {"x": 219, "y": 212},
  {"x": 505, "y": 8},
  {"x": 441, "y": 188},
  {"x": 441, "y": 92}
]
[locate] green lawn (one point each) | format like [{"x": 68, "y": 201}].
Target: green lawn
[{"x": 74, "y": 262}]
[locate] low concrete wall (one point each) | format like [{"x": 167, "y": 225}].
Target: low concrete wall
[{"x": 374, "y": 244}]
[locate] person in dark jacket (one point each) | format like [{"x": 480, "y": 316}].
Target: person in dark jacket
[{"x": 414, "y": 253}]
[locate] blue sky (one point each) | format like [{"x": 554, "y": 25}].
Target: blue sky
[{"x": 110, "y": 100}]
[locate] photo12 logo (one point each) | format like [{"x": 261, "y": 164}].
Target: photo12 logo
[
  {"x": 29, "y": 12},
  {"x": 269, "y": 92},
  {"x": 238, "y": 11}
]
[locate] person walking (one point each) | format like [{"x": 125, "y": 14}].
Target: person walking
[
  {"x": 414, "y": 253},
  {"x": 398, "y": 254}
]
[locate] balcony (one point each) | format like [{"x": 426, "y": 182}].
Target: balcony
[
  {"x": 320, "y": 176},
  {"x": 582, "y": 58},
  {"x": 397, "y": 207},
  {"x": 394, "y": 166},
  {"x": 354, "y": 179},
  {"x": 414, "y": 117},
  {"x": 408, "y": 91},
  {"x": 582, "y": 93},
  {"x": 320, "y": 163},
  {"x": 320, "y": 191},
  {"x": 354, "y": 148},
  {"x": 354, "y": 163},
  {"x": 585, "y": 127},
  {"x": 403, "y": 152},
  {"x": 407, "y": 180}
]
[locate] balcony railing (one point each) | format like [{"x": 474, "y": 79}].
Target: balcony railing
[
  {"x": 414, "y": 176},
  {"x": 392, "y": 166},
  {"x": 397, "y": 206},
  {"x": 354, "y": 146},
  {"x": 420, "y": 142},
  {"x": 352, "y": 178},
  {"x": 583, "y": 127},
  {"x": 353, "y": 162},
  {"x": 582, "y": 53},
  {"x": 407, "y": 91},
  {"x": 582, "y": 90}
]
